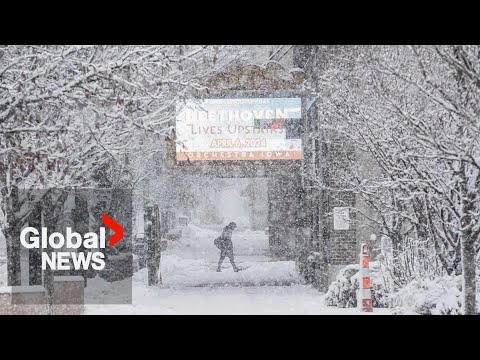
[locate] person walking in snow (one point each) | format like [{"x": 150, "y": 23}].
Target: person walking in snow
[{"x": 224, "y": 243}]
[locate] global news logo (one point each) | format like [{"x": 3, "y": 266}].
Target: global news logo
[{"x": 32, "y": 238}]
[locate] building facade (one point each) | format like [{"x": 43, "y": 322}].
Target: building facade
[
  {"x": 312, "y": 217},
  {"x": 335, "y": 214}
]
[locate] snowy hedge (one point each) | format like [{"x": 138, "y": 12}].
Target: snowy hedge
[
  {"x": 343, "y": 291},
  {"x": 440, "y": 296}
]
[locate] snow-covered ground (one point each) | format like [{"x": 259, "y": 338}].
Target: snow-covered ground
[
  {"x": 256, "y": 300},
  {"x": 190, "y": 284}
]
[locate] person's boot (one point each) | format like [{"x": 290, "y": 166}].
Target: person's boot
[{"x": 219, "y": 270}]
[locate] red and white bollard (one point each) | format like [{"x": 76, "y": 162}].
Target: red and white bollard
[{"x": 364, "y": 298}]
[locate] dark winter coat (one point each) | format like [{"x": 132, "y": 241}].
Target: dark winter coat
[{"x": 224, "y": 242}]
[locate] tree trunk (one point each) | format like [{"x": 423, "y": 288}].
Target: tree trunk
[
  {"x": 49, "y": 221},
  {"x": 468, "y": 244},
  {"x": 152, "y": 238},
  {"x": 53, "y": 206},
  {"x": 469, "y": 278},
  {"x": 35, "y": 255},
  {"x": 13, "y": 257},
  {"x": 396, "y": 263},
  {"x": 13, "y": 242}
]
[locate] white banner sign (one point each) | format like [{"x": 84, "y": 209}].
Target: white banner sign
[{"x": 239, "y": 129}]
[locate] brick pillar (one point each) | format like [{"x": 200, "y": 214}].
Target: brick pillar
[{"x": 341, "y": 243}]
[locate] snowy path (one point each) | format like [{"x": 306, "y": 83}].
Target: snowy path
[
  {"x": 193, "y": 262},
  {"x": 191, "y": 285},
  {"x": 264, "y": 300}
]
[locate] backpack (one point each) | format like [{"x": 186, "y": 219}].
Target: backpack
[{"x": 218, "y": 242}]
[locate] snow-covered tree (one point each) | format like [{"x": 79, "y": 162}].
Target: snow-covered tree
[
  {"x": 414, "y": 110},
  {"x": 91, "y": 115}
]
